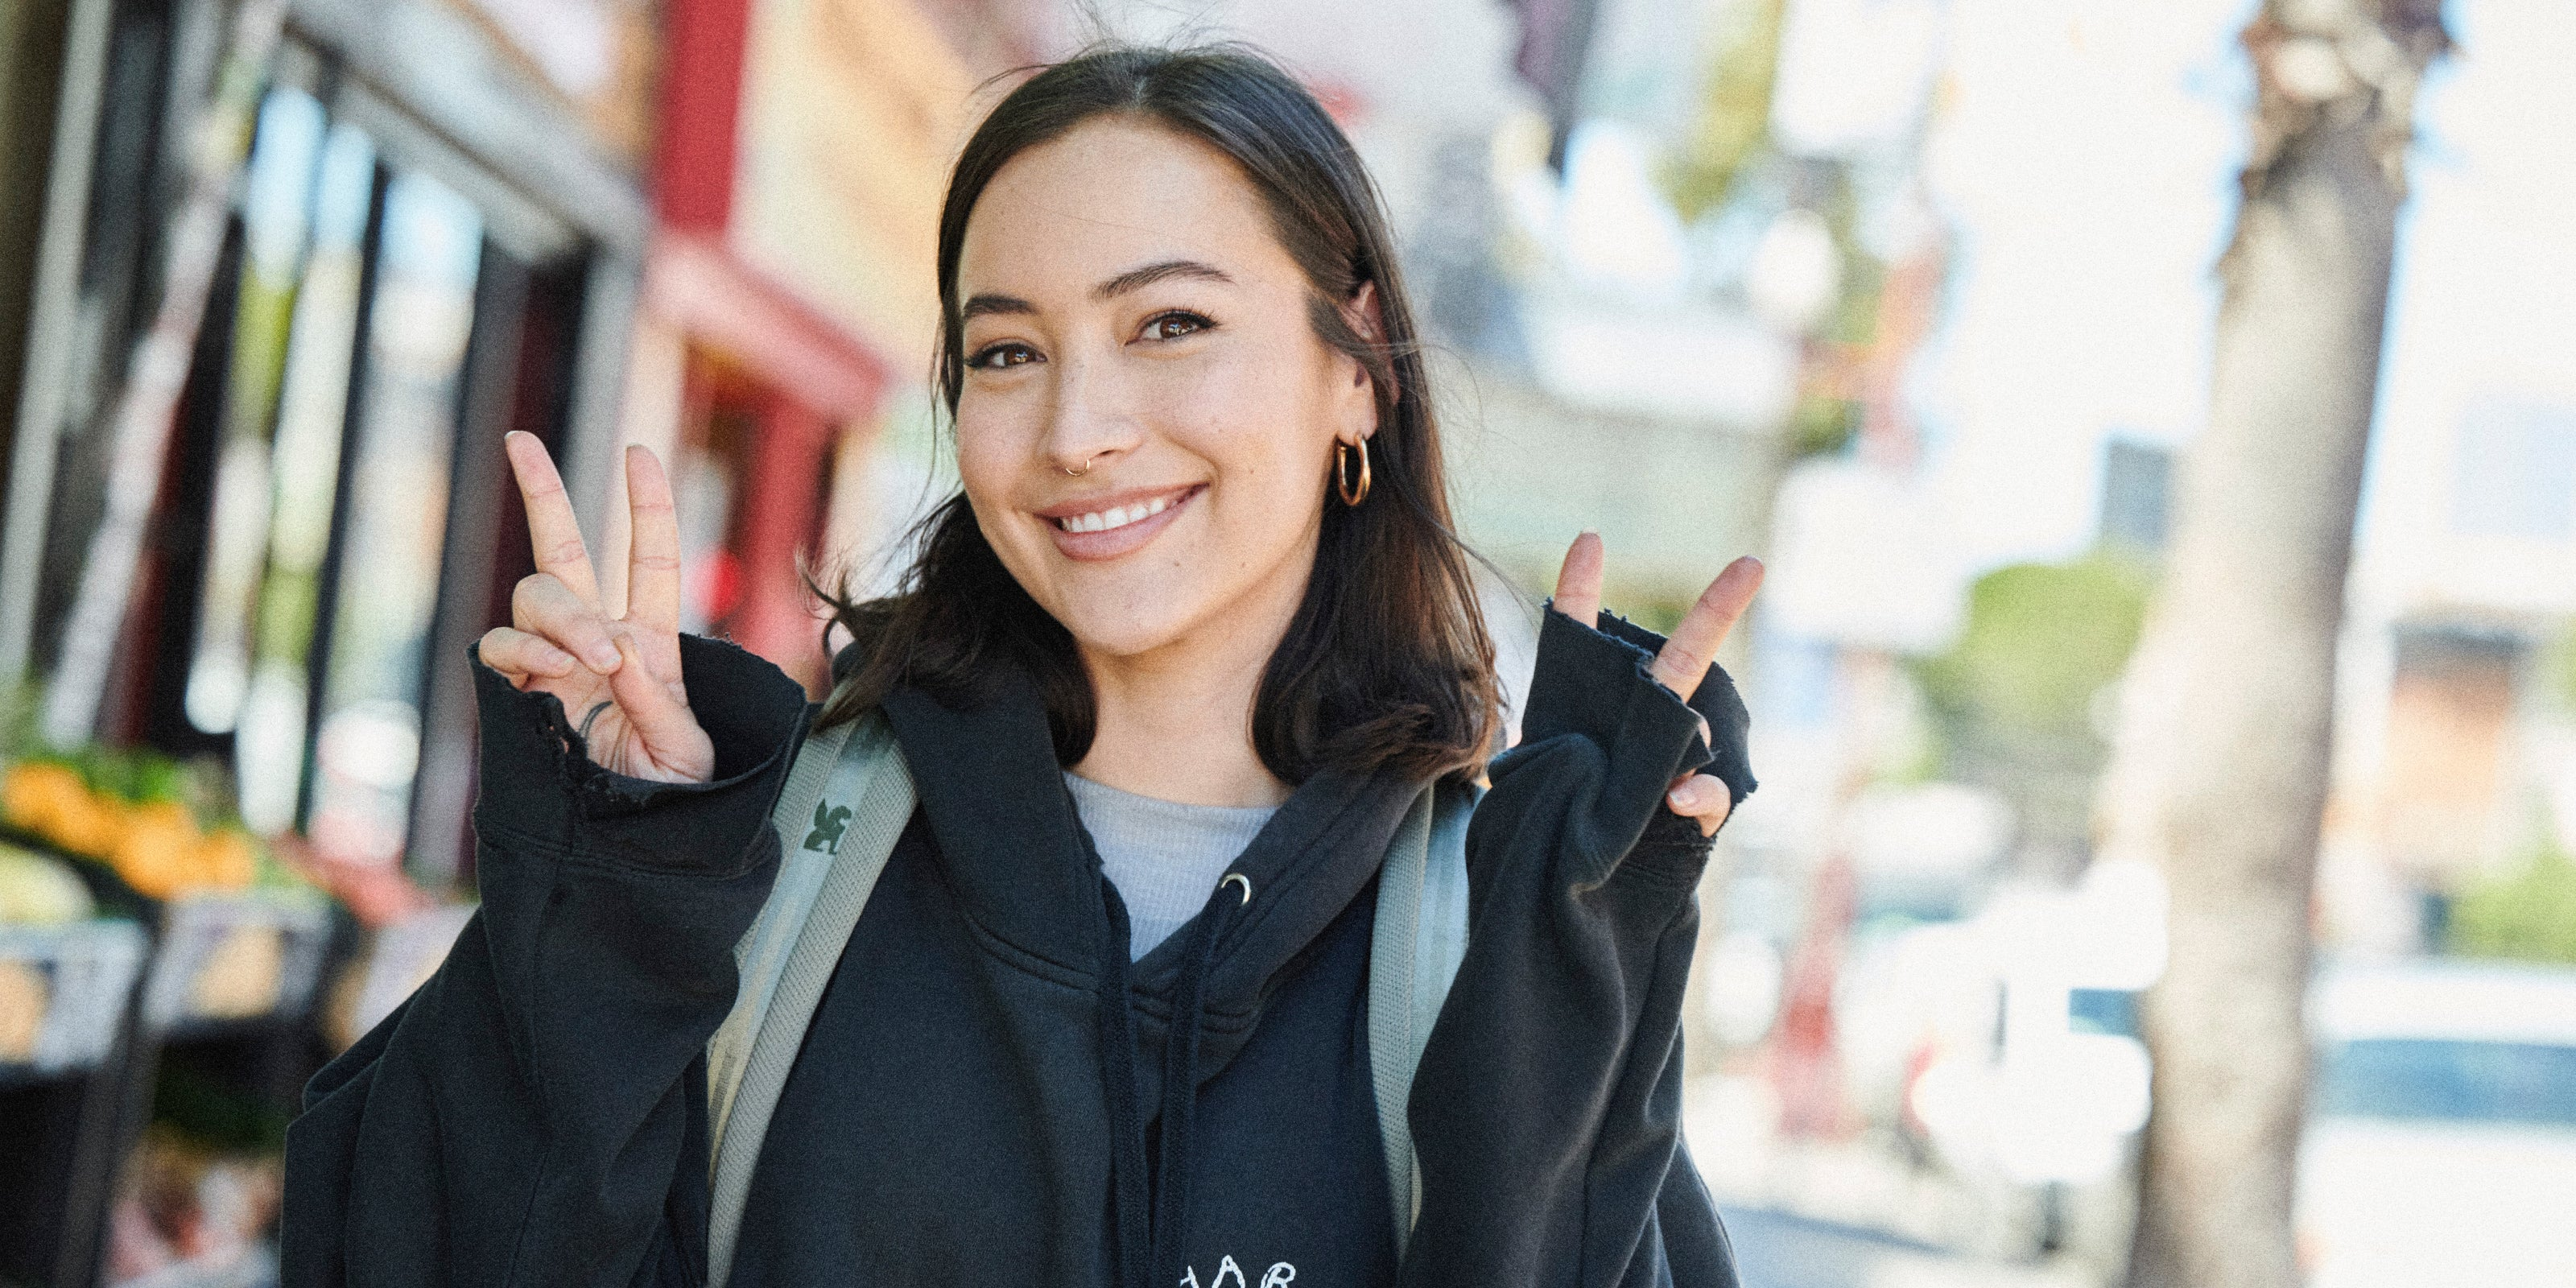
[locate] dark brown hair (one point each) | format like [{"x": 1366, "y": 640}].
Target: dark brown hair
[{"x": 1386, "y": 664}]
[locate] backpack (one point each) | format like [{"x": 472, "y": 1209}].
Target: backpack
[{"x": 849, "y": 796}]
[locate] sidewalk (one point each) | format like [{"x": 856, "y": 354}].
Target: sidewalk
[{"x": 1851, "y": 1214}]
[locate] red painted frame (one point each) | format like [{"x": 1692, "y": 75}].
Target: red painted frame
[{"x": 816, "y": 374}]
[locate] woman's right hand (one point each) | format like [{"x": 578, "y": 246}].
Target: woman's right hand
[{"x": 618, "y": 678}]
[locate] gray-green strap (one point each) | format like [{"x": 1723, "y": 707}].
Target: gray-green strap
[
  {"x": 866, "y": 797},
  {"x": 761, "y": 957},
  {"x": 1417, "y": 940}
]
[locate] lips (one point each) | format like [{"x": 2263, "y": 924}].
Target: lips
[{"x": 1111, "y": 524}]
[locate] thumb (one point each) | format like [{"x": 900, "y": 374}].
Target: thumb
[{"x": 659, "y": 713}]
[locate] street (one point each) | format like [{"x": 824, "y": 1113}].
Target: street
[{"x": 1775, "y": 1249}]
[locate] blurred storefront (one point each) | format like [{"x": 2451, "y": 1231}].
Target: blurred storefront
[
  {"x": 434, "y": 236},
  {"x": 433, "y": 243},
  {"x": 797, "y": 181},
  {"x": 701, "y": 225}
]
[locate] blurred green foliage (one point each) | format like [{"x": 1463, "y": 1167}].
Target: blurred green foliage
[
  {"x": 1822, "y": 426},
  {"x": 2556, "y": 672},
  {"x": 2041, "y": 641},
  {"x": 2011, "y": 705},
  {"x": 1734, "y": 121},
  {"x": 137, "y": 774},
  {"x": 2529, "y": 914}
]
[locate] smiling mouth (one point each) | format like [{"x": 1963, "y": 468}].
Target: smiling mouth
[{"x": 1116, "y": 516}]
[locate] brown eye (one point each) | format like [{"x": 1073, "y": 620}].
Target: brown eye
[
  {"x": 1174, "y": 325},
  {"x": 998, "y": 356}
]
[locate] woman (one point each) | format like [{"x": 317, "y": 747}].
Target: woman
[{"x": 1196, "y": 618}]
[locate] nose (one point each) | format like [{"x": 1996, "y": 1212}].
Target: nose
[{"x": 1093, "y": 419}]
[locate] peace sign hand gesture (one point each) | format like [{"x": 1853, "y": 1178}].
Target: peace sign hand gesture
[
  {"x": 618, "y": 678},
  {"x": 1684, "y": 660}
]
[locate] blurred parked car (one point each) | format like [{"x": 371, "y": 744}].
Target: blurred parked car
[{"x": 2441, "y": 1141}]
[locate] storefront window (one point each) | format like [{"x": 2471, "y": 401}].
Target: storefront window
[
  {"x": 276, "y": 211},
  {"x": 368, "y": 747},
  {"x": 312, "y": 407}
]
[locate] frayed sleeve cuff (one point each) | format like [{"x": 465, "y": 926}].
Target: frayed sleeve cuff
[{"x": 539, "y": 783}]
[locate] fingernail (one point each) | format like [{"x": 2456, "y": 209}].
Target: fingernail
[
  {"x": 558, "y": 659},
  {"x": 1684, "y": 798},
  {"x": 603, "y": 657}
]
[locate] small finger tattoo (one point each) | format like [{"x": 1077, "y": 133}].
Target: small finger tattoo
[{"x": 593, "y": 717}]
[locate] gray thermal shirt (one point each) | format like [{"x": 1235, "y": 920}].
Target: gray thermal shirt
[{"x": 1164, "y": 858}]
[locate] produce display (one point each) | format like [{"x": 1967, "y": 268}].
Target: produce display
[
  {"x": 62, "y": 981},
  {"x": 233, "y": 957},
  {"x": 24, "y": 995},
  {"x": 155, "y": 953},
  {"x": 38, "y": 890},
  {"x": 128, "y": 812},
  {"x": 187, "y": 1204},
  {"x": 63, "y": 989}
]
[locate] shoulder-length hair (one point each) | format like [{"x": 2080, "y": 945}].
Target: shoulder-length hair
[{"x": 1387, "y": 665}]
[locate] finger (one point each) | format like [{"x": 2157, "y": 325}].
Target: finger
[
  {"x": 553, "y": 533},
  {"x": 658, "y": 709},
  {"x": 1686, "y": 655},
  {"x": 515, "y": 653},
  {"x": 653, "y": 558},
  {"x": 1703, "y": 797},
  {"x": 542, "y": 605},
  {"x": 1578, "y": 583}
]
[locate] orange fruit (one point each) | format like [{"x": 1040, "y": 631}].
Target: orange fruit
[
  {"x": 157, "y": 851},
  {"x": 227, "y": 860},
  {"x": 33, "y": 793},
  {"x": 88, "y": 823}
]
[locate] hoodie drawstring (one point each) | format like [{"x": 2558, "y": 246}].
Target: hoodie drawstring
[
  {"x": 1155, "y": 1238},
  {"x": 1126, "y": 1127}
]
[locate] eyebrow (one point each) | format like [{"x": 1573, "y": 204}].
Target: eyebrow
[
  {"x": 1137, "y": 278},
  {"x": 987, "y": 304},
  {"x": 1131, "y": 280}
]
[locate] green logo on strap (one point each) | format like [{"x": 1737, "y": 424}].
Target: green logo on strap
[{"x": 829, "y": 821}]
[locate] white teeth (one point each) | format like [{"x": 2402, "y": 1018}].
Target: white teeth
[{"x": 1117, "y": 516}]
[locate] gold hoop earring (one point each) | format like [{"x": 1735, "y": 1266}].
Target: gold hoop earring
[{"x": 1352, "y": 494}]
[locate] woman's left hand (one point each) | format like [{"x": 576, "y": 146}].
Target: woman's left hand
[{"x": 1684, "y": 659}]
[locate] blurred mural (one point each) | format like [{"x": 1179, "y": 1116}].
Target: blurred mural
[{"x": 1921, "y": 301}]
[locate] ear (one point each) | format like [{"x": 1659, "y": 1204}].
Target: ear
[
  {"x": 1366, "y": 319},
  {"x": 1363, "y": 314}
]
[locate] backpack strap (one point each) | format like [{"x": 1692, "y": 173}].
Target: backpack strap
[
  {"x": 1417, "y": 941},
  {"x": 849, "y": 796}
]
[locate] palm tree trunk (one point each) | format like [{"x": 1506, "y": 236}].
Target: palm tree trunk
[{"x": 2219, "y": 772}]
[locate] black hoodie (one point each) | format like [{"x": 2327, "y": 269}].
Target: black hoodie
[{"x": 973, "y": 1105}]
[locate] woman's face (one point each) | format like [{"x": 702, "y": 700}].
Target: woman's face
[{"x": 1147, "y": 416}]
